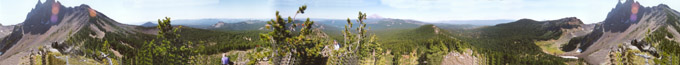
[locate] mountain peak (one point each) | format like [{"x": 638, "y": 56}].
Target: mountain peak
[
  {"x": 627, "y": 1},
  {"x": 50, "y": 22},
  {"x": 564, "y": 23},
  {"x": 148, "y": 24},
  {"x": 526, "y": 20},
  {"x": 39, "y": 3},
  {"x": 631, "y": 12},
  {"x": 663, "y": 6},
  {"x": 622, "y": 24},
  {"x": 572, "y": 21},
  {"x": 49, "y": 1},
  {"x": 374, "y": 16}
]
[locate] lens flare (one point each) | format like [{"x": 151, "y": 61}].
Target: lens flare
[
  {"x": 55, "y": 8},
  {"x": 633, "y": 17},
  {"x": 634, "y": 8},
  {"x": 53, "y": 18},
  {"x": 55, "y": 12},
  {"x": 634, "y": 11},
  {"x": 93, "y": 13}
]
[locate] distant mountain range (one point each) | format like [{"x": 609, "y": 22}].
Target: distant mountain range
[
  {"x": 193, "y": 22},
  {"x": 209, "y": 21},
  {"x": 476, "y": 22},
  {"x": 374, "y": 24}
]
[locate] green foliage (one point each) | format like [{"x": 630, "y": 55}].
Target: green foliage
[
  {"x": 627, "y": 56},
  {"x": 409, "y": 59},
  {"x": 144, "y": 55},
  {"x": 672, "y": 19},
  {"x": 166, "y": 31},
  {"x": 521, "y": 31},
  {"x": 105, "y": 46},
  {"x": 357, "y": 46},
  {"x": 435, "y": 53},
  {"x": 169, "y": 50},
  {"x": 513, "y": 43},
  {"x": 213, "y": 42},
  {"x": 303, "y": 45},
  {"x": 385, "y": 58},
  {"x": 52, "y": 60},
  {"x": 573, "y": 43},
  {"x": 168, "y": 47},
  {"x": 668, "y": 50},
  {"x": 431, "y": 42},
  {"x": 257, "y": 55}
]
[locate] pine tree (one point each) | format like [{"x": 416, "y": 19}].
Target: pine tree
[
  {"x": 357, "y": 47},
  {"x": 144, "y": 55},
  {"x": 283, "y": 41},
  {"x": 105, "y": 46},
  {"x": 168, "y": 51}
]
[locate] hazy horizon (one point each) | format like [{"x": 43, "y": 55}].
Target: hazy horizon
[{"x": 136, "y": 12}]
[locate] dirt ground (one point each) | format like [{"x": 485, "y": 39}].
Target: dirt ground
[{"x": 458, "y": 58}]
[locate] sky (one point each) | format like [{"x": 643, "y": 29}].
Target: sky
[{"x": 140, "y": 11}]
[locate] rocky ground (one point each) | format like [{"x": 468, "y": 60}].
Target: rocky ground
[{"x": 461, "y": 58}]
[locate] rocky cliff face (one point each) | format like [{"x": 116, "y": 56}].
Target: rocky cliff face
[
  {"x": 50, "y": 22},
  {"x": 624, "y": 15},
  {"x": 627, "y": 21}
]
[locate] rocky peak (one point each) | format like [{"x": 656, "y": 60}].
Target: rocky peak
[
  {"x": 218, "y": 24},
  {"x": 564, "y": 23},
  {"x": 571, "y": 21},
  {"x": 623, "y": 15},
  {"x": 663, "y": 6},
  {"x": 39, "y": 3},
  {"x": 51, "y": 22}
]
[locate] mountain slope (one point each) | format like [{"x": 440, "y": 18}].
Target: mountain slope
[
  {"x": 626, "y": 22},
  {"x": 508, "y": 43},
  {"x": 50, "y": 22},
  {"x": 477, "y": 22},
  {"x": 405, "y": 40},
  {"x": 239, "y": 26},
  {"x": 85, "y": 34}
]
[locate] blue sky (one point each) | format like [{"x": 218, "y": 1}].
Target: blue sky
[{"x": 139, "y": 11}]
